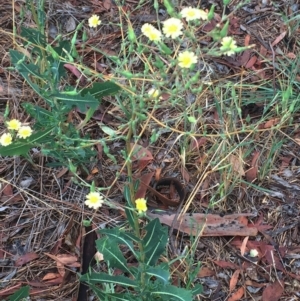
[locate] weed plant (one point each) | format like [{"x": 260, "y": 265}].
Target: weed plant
[{"x": 159, "y": 68}]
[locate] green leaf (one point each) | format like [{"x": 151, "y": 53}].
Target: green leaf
[
  {"x": 120, "y": 237},
  {"x": 173, "y": 292},
  {"x": 159, "y": 272},
  {"x": 112, "y": 254},
  {"x": 197, "y": 289},
  {"x": 22, "y": 146},
  {"x": 107, "y": 130},
  {"x": 95, "y": 278},
  {"x": 102, "y": 89},
  {"x": 82, "y": 102},
  {"x": 130, "y": 217},
  {"x": 154, "y": 241},
  {"x": 33, "y": 36},
  {"x": 21, "y": 293},
  {"x": 19, "y": 61}
]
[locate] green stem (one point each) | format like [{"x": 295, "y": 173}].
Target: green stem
[{"x": 132, "y": 200}]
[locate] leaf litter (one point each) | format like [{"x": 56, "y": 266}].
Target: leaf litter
[{"x": 38, "y": 216}]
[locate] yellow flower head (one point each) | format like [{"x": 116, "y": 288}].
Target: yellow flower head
[
  {"x": 151, "y": 32},
  {"x": 228, "y": 45},
  {"x": 13, "y": 124},
  {"x": 94, "y": 21},
  {"x": 5, "y": 139},
  {"x": 186, "y": 59},
  {"x": 153, "y": 93},
  {"x": 173, "y": 28},
  {"x": 141, "y": 205},
  {"x": 191, "y": 14},
  {"x": 94, "y": 200},
  {"x": 24, "y": 132}
]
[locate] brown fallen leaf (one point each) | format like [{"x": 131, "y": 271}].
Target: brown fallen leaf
[
  {"x": 273, "y": 292},
  {"x": 237, "y": 164},
  {"x": 145, "y": 180},
  {"x": 141, "y": 154},
  {"x": 234, "y": 279},
  {"x": 226, "y": 264},
  {"x": 244, "y": 244},
  {"x": 279, "y": 38},
  {"x": 50, "y": 276},
  {"x": 236, "y": 296},
  {"x": 206, "y": 272},
  {"x": 208, "y": 224},
  {"x": 251, "y": 173},
  {"x": 26, "y": 258}
]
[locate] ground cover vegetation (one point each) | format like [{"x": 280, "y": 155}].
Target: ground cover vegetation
[{"x": 150, "y": 150}]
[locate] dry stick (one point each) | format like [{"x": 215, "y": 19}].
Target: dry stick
[{"x": 274, "y": 72}]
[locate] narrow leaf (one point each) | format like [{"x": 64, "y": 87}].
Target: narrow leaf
[
  {"x": 21, "y": 293},
  {"x": 174, "y": 292},
  {"x": 82, "y": 102},
  {"x": 154, "y": 241},
  {"x": 95, "y": 278},
  {"x": 158, "y": 272},
  {"x": 99, "y": 90},
  {"x": 112, "y": 254}
]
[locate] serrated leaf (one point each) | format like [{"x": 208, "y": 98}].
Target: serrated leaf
[
  {"x": 154, "y": 241},
  {"x": 176, "y": 293},
  {"x": 101, "y": 89},
  {"x": 119, "y": 237},
  {"x": 21, "y": 293},
  {"x": 112, "y": 254},
  {"x": 95, "y": 278},
  {"x": 34, "y": 36},
  {"x": 79, "y": 101},
  {"x": 22, "y": 146},
  {"x": 19, "y": 61},
  {"x": 159, "y": 272}
]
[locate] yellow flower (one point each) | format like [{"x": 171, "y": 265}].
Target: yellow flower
[
  {"x": 173, "y": 28},
  {"x": 228, "y": 45},
  {"x": 191, "y": 14},
  {"x": 24, "y": 132},
  {"x": 151, "y": 32},
  {"x": 13, "y": 124},
  {"x": 153, "y": 93},
  {"x": 6, "y": 139},
  {"x": 186, "y": 59},
  {"x": 94, "y": 21},
  {"x": 94, "y": 200},
  {"x": 141, "y": 205}
]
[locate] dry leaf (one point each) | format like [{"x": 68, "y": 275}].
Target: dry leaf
[
  {"x": 273, "y": 292},
  {"x": 50, "y": 276},
  {"x": 244, "y": 244},
  {"x": 237, "y": 164},
  {"x": 145, "y": 180},
  {"x": 26, "y": 258},
  {"x": 206, "y": 272},
  {"x": 208, "y": 224},
  {"x": 234, "y": 279},
  {"x": 185, "y": 174},
  {"x": 279, "y": 38},
  {"x": 251, "y": 62},
  {"x": 251, "y": 174},
  {"x": 236, "y": 296},
  {"x": 226, "y": 265}
]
